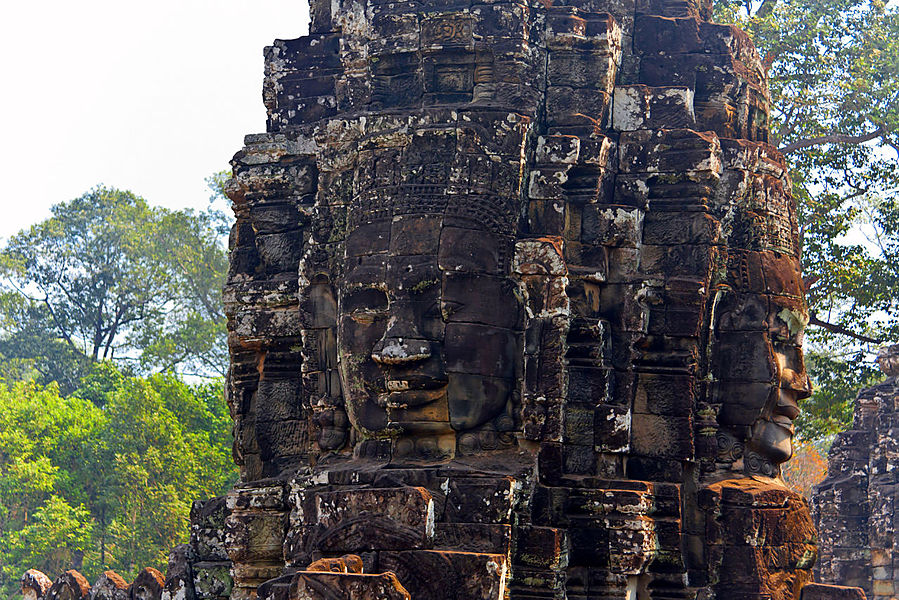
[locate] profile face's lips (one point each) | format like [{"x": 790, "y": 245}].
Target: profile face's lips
[{"x": 784, "y": 422}]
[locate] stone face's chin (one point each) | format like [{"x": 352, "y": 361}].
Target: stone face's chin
[
  {"x": 475, "y": 400},
  {"x": 773, "y": 440}
]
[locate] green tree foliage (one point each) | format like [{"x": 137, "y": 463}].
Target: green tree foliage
[
  {"x": 54, "y": 539},
  {"x": 834, "y": 69},
  {"x": 108, "y": 277},
  {"x": 104, "y": 478},
  {"x": 98, "y": 465},
  {"x": 189, "y": 332}
]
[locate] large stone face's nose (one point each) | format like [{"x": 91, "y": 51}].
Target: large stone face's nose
[
  {"x": 394, "y": 350},
  {"x": 401, "y": 343},
  {"x": 787, "y": 405}
]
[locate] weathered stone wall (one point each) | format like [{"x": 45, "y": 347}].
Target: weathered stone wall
[{"x": 855, "y": 508}]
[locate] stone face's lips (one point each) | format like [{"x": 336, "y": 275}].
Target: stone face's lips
[
  {"x": 397, "y": 357},
  {"x": 784, "y": 422},
  {"x": 397, "y": 386},
  {"x": 415, "y": 383},
  {"x": 411, "y": 398}
]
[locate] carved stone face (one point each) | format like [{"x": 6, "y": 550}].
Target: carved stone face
[
  {"x": 761, "y": 369},
  {"x": 772, "y": 434},
  {"x": 429, "y": 334}
]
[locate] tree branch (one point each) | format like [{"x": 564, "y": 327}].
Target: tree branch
[
  {"x": 814, "y": 320},
  {"x": 113, "y": 329},
  {"x": 62, "y": 330},
  {"x": 836, "y": 138},
  {"x": 788, "y": 122}
]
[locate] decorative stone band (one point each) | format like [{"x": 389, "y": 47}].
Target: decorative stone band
[{"x": 492, "y": 213}]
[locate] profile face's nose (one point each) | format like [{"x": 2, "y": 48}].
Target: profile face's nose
[{"x": 396, "y": 350}]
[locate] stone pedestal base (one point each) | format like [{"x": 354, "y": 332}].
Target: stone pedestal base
[
  {"x": 760, "y": 540},
  {"x": 820, "y": 591}
]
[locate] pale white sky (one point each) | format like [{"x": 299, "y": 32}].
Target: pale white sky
[{"x": 147, "y": 96}]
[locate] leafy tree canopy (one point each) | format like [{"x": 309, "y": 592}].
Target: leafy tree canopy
[
  {"x": 108, "y": 277},
  {"x": 104, "y": 478}
]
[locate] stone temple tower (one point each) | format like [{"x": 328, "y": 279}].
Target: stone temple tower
[
  {"x": 855, "y": 506},
  {"x": 515, "y": 311}
]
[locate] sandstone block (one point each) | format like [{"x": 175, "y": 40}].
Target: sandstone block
[{"x": 344, "y": 586}]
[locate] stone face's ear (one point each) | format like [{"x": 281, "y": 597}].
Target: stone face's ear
[
  {"x": 540, "y": 268},
  {"x": 321, "y": 389}
]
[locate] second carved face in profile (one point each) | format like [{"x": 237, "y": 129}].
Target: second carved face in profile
[{"x": 760, "y": 369}]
